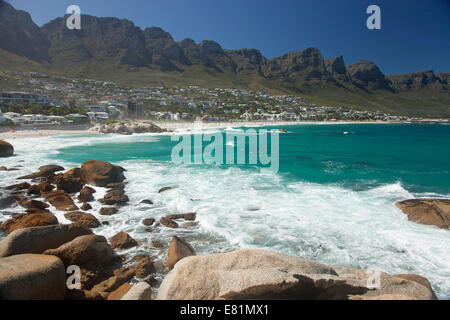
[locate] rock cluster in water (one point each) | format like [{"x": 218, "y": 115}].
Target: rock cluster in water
[{"x": 128, "y": 127}]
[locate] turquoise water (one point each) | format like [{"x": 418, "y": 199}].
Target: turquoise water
[{"x": 356, "y": 156}]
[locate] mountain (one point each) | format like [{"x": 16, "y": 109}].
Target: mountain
[
  {"x": 115, "y": 49},
  {"x": 20, "y": 35}
]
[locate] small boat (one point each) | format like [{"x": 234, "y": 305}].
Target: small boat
[{"x": 283, "y": 130}]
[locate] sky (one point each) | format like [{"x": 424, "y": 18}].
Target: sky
[{"x": 414, "y": 34}]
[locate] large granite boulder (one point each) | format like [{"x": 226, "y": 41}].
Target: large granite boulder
[
  {"x": 6, "y": 149},
  {"x": 258, "y": 274},
  {"x": 69, "y": 181},
  {"x": 39, "y": 239},
  {"x": 32, "y": 277},
  {"x": 84, "y": 250},
  {"x": 427, "y": 211},
  {"x": 100, "y": 173}
]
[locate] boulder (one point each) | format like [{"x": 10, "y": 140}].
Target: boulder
[
  {"x": 7, "y": 202},
  {"x": 36, "y": 210},
  {"x": 122, "y": 240},
  {"x": 144, "y": 267},
  {"x": 60, "y": 200},
  {"x": 191, "y": 216},
  {"x": 101, "y": 173},
  {"x": 20, "y": 221},
  {"x": 427, "y": 211},
  {"x": 39, "y": 239},
  {"x": 84, "y": 250},
  {"x": 115, "y": 197},
  {"x": 83, "y": 219},
  {"x": 69, "y": 181},
  {"x": 158, "y": 244},
  {"x": 18, "y": 186},
  {"x": 86, "y": 194},
  {"x": 32, "y": 277},
  {"x": 168, "y": 222},
  {"x": 6, "y": 149},
  {"x": 108, "y": 211},
  {"x": 178, "y": 250},
  {"x": 146, "y": 201},
  {"x": 148, "y": 222},
  {"x": 140, "y": 291},
  {"x": 116, "y": 185},
  {"x": 44, "y": 172},
  {"x": 258, "y": 274},
  {"x": 120, "y": 292},
  {"x": 86, "y": 206},
  {"x": 33, "y": 204},
  {"x": 164, "y": 189}
]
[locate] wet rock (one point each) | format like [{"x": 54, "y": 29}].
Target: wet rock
[
  {"x": 32, "y": 277},
  {"x": 20, "y": 221},
  {"x": 168, "y": 223},
  {"x": 84, "y": 251},
  {"x": 86, "y": 194},
  {"x": 33, "y": 204},
  {"x": 44, "y": 172},
  {"x": 7, "y": 202},
  {"x": 34, "y": 190},
  {"x": 39, "y": 239},
  {"x": 86, "y": 206},
  {"x": 19, "y": 186},
  {"x": 69, "y": 181},
  {"x": 158, "y": 244},
  {"x": 116, "y": 185},
  {"x": 6, "y": 149},
  {"x": 191, "y": 216},
  {"x": 108, "y": 211},
  {"x": 2, "y": 168},
  {"x": 140, "y": 291},
  {"x": 427, "y": 211},
  {"x": 189, "y": 224},
  {"x": 164, "y": 189},
  {"x": 115, "y": 197},
  {"x": 258, "y": 274},
  {"x": 60, "y": 200},
  {"x": 101, "y": 173},
  {"x": 148, "y": 222},
  {"x": 83, "y": 219},
  {"x": 122, "y": 240},
  {"x": 146, "y": 201},
  {"x": 178, "y": 250},
  {"x": 36, "y": 210},
  {"x": 144, "y": 267}
]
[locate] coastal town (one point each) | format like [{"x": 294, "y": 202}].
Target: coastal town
[{"x": 37, "y": 99}]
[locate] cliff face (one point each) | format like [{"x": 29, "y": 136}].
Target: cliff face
[
  {"x": 20, "y": 35},
  {"x": 367, "y": 75}
]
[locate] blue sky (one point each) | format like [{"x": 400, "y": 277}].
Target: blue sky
[{"x": 414, "y": 35}]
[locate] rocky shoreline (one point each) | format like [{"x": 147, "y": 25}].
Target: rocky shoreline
[{"x": 38, "y": 253}]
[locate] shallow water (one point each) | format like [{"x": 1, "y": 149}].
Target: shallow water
[{"x": 332, "y": 201}]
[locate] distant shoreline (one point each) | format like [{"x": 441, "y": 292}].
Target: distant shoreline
[{"x": 47, "y": 131}]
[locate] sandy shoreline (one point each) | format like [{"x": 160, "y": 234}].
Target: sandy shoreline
[{"x": 170, "y": 125}]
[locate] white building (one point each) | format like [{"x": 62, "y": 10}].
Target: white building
[{"x": 16, "y": 118}]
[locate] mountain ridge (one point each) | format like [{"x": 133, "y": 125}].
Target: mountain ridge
[{"x": 116, "y": 49}]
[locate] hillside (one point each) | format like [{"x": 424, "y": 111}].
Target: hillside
[{"x": 115, "y": 49}]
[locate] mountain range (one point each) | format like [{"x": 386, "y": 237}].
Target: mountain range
[{"x": 116, "y": 50}]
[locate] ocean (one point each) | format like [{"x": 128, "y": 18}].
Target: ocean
[{"x": 332, "y": 200}]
